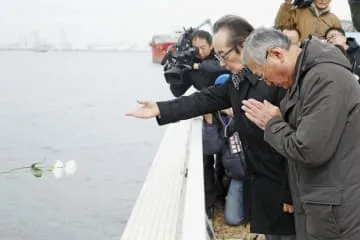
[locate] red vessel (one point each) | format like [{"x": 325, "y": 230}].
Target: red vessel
[{"x": 159, "y": 45}]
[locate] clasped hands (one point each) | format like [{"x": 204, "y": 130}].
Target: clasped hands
[{"x": 260, "y": 113}]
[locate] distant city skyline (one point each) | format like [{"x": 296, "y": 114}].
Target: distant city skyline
[
  {"x": 108, "y": 22},
  {"x": 36, "y": 39}
]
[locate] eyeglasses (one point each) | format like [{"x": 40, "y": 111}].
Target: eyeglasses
[
  {"x": 223, "y": 57},
  {"x": 332, "y": 36}
]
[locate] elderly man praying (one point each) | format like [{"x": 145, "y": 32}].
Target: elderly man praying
[{"x": 317, "y": 129}]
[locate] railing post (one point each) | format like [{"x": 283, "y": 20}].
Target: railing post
[{"x": 194, "y": 226}]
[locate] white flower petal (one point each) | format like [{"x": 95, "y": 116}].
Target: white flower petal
[
  {"x": 58, "y": 169},
  {"x": 58, "y": 172},
  {"x": 70, "y": 167},
  {"x": 58, "y": 164}
]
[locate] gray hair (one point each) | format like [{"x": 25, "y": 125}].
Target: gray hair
[{"x": 260, "y": 41}]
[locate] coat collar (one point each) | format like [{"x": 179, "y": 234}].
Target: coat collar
[
  {"x": 316, "y": 11},
  {"x": 244, "y": 75}
]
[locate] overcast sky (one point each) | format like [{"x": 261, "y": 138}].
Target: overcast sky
[{"x": 108, "y": 21}]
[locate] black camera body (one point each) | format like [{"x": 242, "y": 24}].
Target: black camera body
[
  {"x": 179, "y": 58},
  {"x": 302, "y": 3}
]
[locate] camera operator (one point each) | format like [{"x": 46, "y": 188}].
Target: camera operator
[
  {"x": 203, "y": 70},
  {"x": 194, "y": 64}
]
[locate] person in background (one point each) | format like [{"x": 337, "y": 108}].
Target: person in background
[
  {"x": 355, "y": 13},
  {"x": 316, "y": 128},
  {"x": 203, "y": 73},
  {"x": 205, "y": 68},
  {"x": 337, "y": 37},
  {"x": 292, "y": 33},
  {"x": 224, "y": 142},
  {"x": 310, "y": 20}
]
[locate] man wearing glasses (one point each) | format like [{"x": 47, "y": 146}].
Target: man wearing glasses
[
  {"x": 337, "y": 37},
  {"x": 269, "y": 197},
  {"x": 316, "y": 128}
]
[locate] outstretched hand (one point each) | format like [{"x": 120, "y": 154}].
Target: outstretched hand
[{"x": 148, "y": 109}]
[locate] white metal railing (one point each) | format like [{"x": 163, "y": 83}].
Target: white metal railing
[
  {"x": 170, "y": 205},
  {"x": 194, "y": 203}
]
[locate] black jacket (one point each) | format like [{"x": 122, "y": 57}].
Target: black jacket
[
  {"x": 266, "y": 168},
  {"x": 205, "y": 76},
  {"x": 354, "y": 55}
]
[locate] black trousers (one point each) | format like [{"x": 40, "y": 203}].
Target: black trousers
[{"x": 214, "y": 190}]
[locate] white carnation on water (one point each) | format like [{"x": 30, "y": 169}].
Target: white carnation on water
[
  {"x": 70, "y": 167},
  {"x": 58, "y": 169}
]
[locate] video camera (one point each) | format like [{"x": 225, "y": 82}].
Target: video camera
[
  {"x": 179, "y": 58},
  {"x": 302, "y": 3}
]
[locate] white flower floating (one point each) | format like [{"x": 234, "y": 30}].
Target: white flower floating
[
  {"x": 70, "y": 167},
  {"x": 60, "y": 168}
]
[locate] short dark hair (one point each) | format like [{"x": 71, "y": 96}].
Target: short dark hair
[
  {"x": 202, "y": 35},
  {"x": 290, "y": 28},
  {"x": 340, "y": 30},
  {"x": 239, "y": 29}
]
